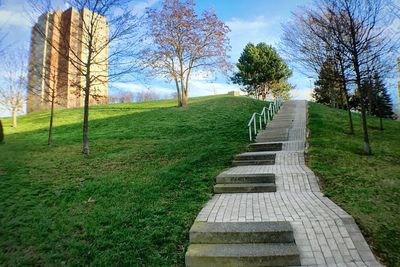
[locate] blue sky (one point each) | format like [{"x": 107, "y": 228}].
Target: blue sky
[{"x": 250, "y": 21}]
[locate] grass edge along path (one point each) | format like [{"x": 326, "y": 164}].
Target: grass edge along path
[
  {"x": 132, "y": 201},
  {"x": 367, "y": 187}
]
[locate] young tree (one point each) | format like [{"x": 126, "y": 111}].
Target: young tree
[
  {"x": 108, "y": 32},
  {"x": 310, "y": 45},
  {"x": 260, "y": 68},
  {"x": 383, "y": 104},
  {"x": 1, "y": 133},
  {"x": 13, "y": 89},
  {"x": 180, "y": 42},
  {"x": 354, "y": 26},
  {"x": 328, "y": 87}
]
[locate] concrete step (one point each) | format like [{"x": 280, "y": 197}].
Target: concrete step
[
  {"x": 242, "y": 255},
  {"x": 255, "y": 156},
  {"x": 244, "y": 188},
  {"x": 241, "y": 232},
  {"x": 253, "y": 162},
  {"x": 275, "y": 138},
  {"x": 245, "y": 178},
  {"x": 268, "y": 146}
]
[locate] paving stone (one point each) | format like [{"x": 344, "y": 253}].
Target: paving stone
[{"x": 324, "y": 233}]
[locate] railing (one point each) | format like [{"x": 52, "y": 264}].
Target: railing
[{"x": 266, "y": 115}]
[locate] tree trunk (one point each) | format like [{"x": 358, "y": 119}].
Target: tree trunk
[
  {"x": 178, "y": 93},
  {"x": 14, "y": 115},
  {"x": 348, "y": 108},
  {"x": 85, "y": 149},
  {"x": 185, "y": 99},
  {"x": 49, "y": 140},
  {"x": 1, "y": 133},
  {"x": 184, "y": 93},
  {"x": 367, "y": 147}
]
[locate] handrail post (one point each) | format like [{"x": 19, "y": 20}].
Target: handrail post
[
  {"x": 259, "y": 116},
  {"x": 265, "y": 118},
  {"x": 250, "y": 133},
  {"x": 255, "y": 125}
]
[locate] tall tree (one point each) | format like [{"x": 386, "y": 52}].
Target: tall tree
[
  {"x": 309, "y": 45},
  {"x": 13, "y": 89},
  {"x": 328, "y": 87},
  {"x": 260, "y": 68},
  {"x": 109, "y": 31},
  {"x": 383, "y": 104},
  {"x": 180, "y": 42},
  {"x": 353, "y": 32}
]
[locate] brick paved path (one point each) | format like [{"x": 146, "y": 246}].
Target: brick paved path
[{"x": 324, "y": 233}]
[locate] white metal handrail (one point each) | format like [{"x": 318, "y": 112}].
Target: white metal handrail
[{"x": 266, "y": 113}]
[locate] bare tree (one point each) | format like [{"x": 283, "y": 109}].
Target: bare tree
[
  {"x": 13, "y": 89},
  {"x": 180, "y": 42},
  {"x": 121, "y": 96},
  {"x": 350, "y": 30},
  {"x": 147, "y": 95},
  {"x": 94, "y": 50},
  {"x": 311, "y": 46}
]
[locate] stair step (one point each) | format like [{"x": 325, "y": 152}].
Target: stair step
[
  {"x": 265, "y": 139},
  {"x": 267, "y": 146},
  {"x": 244, "y": 188},
  {"x": 241, "y": 232},
  {"x": 255, "y": 156},
  {"x": 242, "y": 255},
  {"x": 245, "y": 178},
  {"x": 253, "y": 162}
]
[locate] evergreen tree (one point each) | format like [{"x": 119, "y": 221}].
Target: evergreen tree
[
  {"x": 328, "y": 87},
  {"x": 260, "y": 69},
  {"x": 382, "y": 106}
]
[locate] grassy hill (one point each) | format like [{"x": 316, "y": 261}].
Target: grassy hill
[
  {"x": 368, "y": 187},
  {"x": 131, "y": 202}
]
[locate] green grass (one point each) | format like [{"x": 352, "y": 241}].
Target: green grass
[
  {"x": 368, "y": 187},
  {"x": 132, "y": 201}
]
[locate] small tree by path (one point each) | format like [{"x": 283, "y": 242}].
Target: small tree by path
[{"x": 180, "y": 42}]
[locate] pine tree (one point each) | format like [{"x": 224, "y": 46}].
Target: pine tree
[
  {"x": 383, "y": 104},
  {"x": 327, "y": 88}
]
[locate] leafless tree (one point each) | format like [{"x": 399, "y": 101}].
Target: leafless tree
[
  {"x": 147, "y": 95},
  {"x": 101, "y": 52},
  {"x": 310, "y": 46},
  {"x": 13, "y": 88},
  {"x": 180, "y": 42},
  {"x": 351, "y": 31},
  {"x": 50, "y": 97},
  {"x": 121, "y": 96}
]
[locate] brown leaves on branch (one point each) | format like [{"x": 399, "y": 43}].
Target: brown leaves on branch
[{"x": 180, "y": 41}]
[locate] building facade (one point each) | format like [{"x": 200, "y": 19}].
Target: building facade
[{"x": 59, "y": 59}]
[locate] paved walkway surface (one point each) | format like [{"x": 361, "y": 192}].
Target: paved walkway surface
[{"x": 324, "y": 233}]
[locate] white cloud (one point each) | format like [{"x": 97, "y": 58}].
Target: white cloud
[
  {"x": 301, "y": 94},
  {"x": 140, "y": 7},
  {"x": 13, "y": 18},
  {"x": 259, "y": 29}
]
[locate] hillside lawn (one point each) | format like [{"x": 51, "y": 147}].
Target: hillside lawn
[
  {"x": 367, "y": 187},
  {"x": 132, "y": 201}
]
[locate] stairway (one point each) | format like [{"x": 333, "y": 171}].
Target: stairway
[
  {"x": 242, "y": 244},
  {"x": 248, "y": 183},
  {"x": 247, "y": 243}
]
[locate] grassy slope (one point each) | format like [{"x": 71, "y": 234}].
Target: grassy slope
[
  {"x": 132, "y": 201},
  {"x": 368, "y": 187}
]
